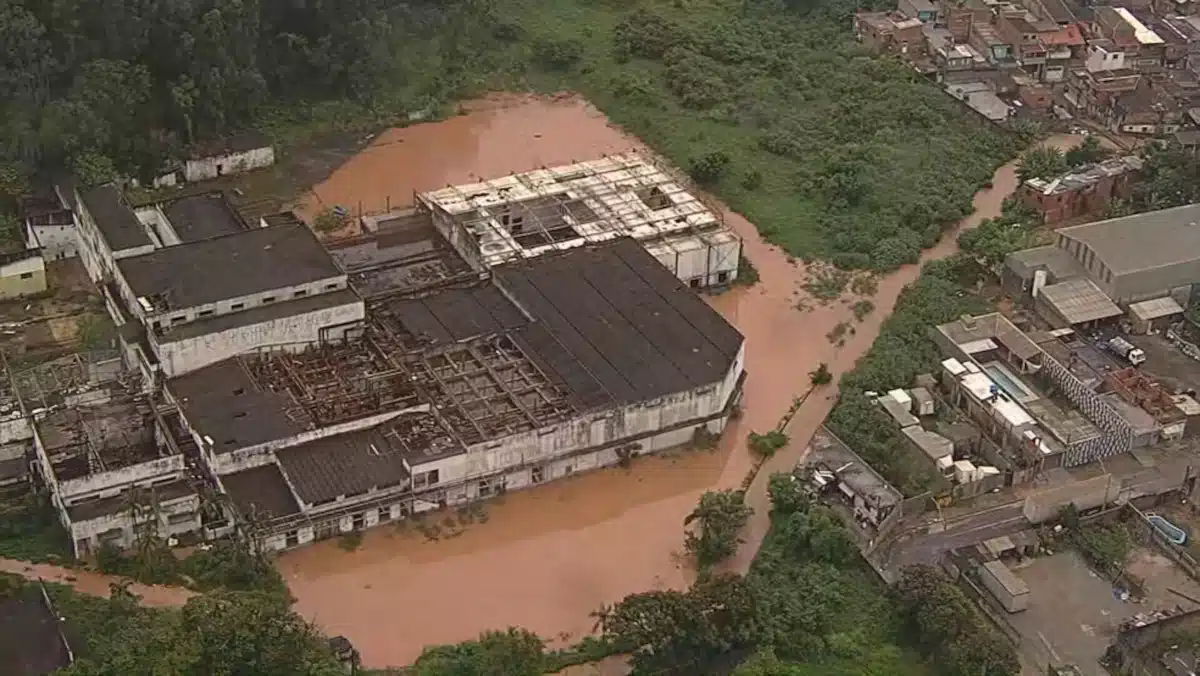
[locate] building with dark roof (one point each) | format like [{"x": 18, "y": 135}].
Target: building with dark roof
[
  {"x": 1138, "y": 257},
  {"x": 203, "y": 301},
  {"x": 464, "y": 388}
]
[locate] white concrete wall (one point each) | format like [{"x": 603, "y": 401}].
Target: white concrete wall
[
  {"x": 90, "y": 530},
  {"x": 153, "y": 217},
  {"x": 182, "y": 316},
  {"x": 234, "y": 163},
  {"x": 57, "y": 242},
  {"x": 113, "y": 482},
  {"x": 23, "y": 278},
  {"x": 184, "y": 356}
]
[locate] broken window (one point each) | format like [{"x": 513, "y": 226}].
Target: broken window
[
  {"x": 535, "y": 475},
  {"x": 426, "y": 479}
]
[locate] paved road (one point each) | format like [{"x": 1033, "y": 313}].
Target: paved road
[{"x": 925, "y": 544}]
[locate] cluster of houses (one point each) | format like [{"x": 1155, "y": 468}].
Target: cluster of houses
[
  {"x": 1131, "y": 68},
  {"x": 1059, "y": 388}
]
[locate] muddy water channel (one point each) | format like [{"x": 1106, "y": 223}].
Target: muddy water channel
[{"x": 546, "y": 558}]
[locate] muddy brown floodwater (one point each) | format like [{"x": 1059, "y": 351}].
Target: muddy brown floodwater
[{"x": 547, "y": 558}]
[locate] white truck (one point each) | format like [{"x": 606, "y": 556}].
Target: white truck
[{"x": 1126, "y": 350}]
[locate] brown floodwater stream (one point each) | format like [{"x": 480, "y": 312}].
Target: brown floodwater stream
[{"x": 546, "y": 558}]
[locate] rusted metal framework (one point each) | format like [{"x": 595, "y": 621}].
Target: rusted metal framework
[
  {"x": 487, "y": 388},
  {"x": 330, "y": 384}
]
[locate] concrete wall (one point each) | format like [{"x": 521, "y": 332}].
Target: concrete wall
[
  {"x": 206, "y": 168},
  {"x": 183, "y": 356},
  {"x": 175, "y": 518},
  {"x": 57, "y": 242},
  {"x": 23, "y": 278},
  {"x": 525, "y": 460},
  {"x": 373, "y": 508},
  {"x": 98, "y": 259},
  {"x": 154, "y": 218}
]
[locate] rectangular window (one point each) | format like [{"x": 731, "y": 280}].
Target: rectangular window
[
  {"x": 26, "y": 275},
  {"x": 535, "y": 475},
  {"x": 426, "y": 479},
  {"x": 178, "y": 319},
  {"x": 301, "y": 293},
  {"x": 385, "y": 514},
  {"x": 331, "y": 286},
  {"x": 292, "y": 539},
  {"x": 237, "y": 306},
  {"x": 268, "y": 299},
  {"x": 205, "y": 313}
]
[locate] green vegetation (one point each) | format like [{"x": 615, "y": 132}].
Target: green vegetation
[
  {"x": 30, "y": 531},
  {"x": 769, "y": 103},
  {"x": 1105, "y": 547},
  {"x": 949, "y": 628},
  {"x": 809, "y": 606},
  {"x": 765, "y": 445},
  {"x": 903, "y": 351},
  {"x": 995, "y": 238},
  {"x": 718, "y": 518},
  {"x": 1170, "y": 178},
  {"x": 222, "y": 565},
  {"x": 218, "y": 633},
  {"x": 1047, "y": 162}
]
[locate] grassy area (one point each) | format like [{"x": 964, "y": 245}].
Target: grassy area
[{"x": 832, "y": 154}]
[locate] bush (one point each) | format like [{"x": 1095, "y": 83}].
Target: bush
[
  {"x": 709, "y": 168},
  {"x": 765, "y": 445},
  {"x": 556, "y": 54}
]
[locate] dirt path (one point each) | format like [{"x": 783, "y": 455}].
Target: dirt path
[{"x": 96, "y": 584}]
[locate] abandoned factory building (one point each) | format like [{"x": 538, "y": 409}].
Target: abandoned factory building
[{"x": 266, "y": 382}]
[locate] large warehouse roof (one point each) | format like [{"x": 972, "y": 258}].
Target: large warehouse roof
[{"x": 1144, "y": 241}]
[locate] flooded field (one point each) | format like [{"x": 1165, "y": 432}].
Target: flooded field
[{"x": 546, "y": 558}]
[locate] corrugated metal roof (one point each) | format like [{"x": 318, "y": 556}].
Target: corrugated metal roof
[
  {"x": 1143, "y": 241},
  {"x": 1155, "y": 309},
  {"x": 1080, "y": 301}
]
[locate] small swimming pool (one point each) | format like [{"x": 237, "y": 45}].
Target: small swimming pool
[{"x": 1011, "y": 384}]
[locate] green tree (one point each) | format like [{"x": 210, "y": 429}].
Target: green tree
[
  {"x": 1087, "y": 151},
  {"x": 674, "y": 632},
  {"x": 718, "y": 519},
  {"x": 514, "y": 652},
  {"x": 787, "y": 494},
  {"x": 1041, "y": 162}
]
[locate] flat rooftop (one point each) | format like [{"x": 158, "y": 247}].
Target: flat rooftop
[
  {"x": 374, "y": 459},
  {"x": 230, "y": 266},
  {"x": 199, "y": 217},
  {"x": 260, "y": 493},
  {"x": 115, "y": 219},
  {"x": 529, "y": 214},
  {"x": 582, "y": 330}
]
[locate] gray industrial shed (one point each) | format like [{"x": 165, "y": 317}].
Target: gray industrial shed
[{"x": 1139, "y": 257}]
